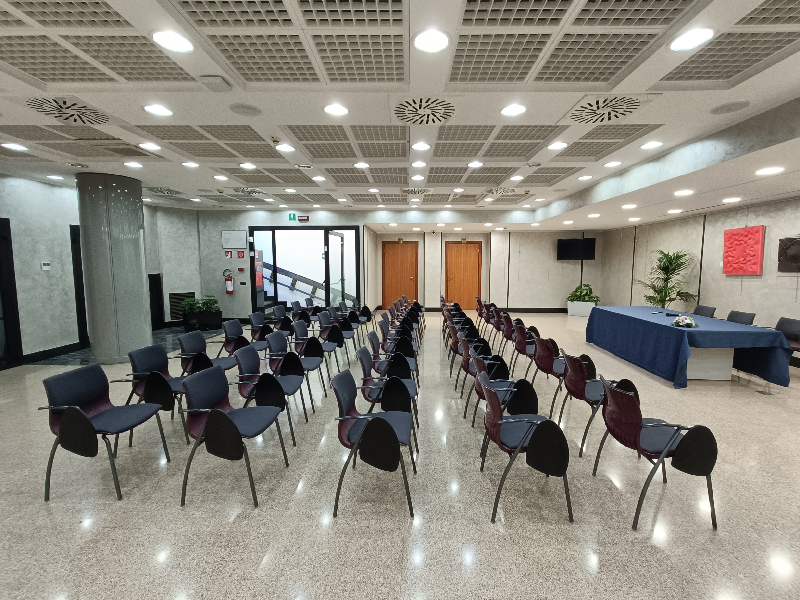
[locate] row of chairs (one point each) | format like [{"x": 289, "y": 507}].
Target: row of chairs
[{"x": 788, "y": 327}]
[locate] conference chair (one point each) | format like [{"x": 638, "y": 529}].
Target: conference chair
[
  {"x": 693, "y": 450},
  {"x": 497, "y": 323},
  {"x": 791, "y": 329},
  {"x": 372, "y": 388},
  {"x": 744, "y": 318},
  {"x": 310, "y": 351},
  {"x": 212, "y": 421},
  {"x": 524, "y": 345},
  {"x": 495, "y": 368},
  {"x": 580, "y": 380},
  {"x": 256, "y": 323},
  {"x": 547, "y": 359},
  {"x": 80, "y": 409},
  {"x": 705, "y": 311},
  {"x": 193, "y": 344},
  {"x": 377, "y": 436},
  {"x": 366, "y": 315},
  {"x": 278, "y": 354},
  {"x": 508, "y": 333},
  {"x": 234, "y": 338}
]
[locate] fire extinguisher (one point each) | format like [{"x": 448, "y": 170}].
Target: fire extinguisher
[{"x": 228, "y": 275}]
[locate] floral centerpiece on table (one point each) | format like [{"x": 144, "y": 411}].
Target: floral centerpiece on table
[{"x": 684, "y": 321}]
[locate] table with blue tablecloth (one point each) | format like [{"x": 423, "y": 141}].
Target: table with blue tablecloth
[{"x": 650, "y": 341}]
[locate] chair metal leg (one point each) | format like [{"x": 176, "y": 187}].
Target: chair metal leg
[
  {"x": 303, "y": 401},
  {"x": 659, "y": 462},
  {"x": 458, "y": 374},
  {"x": 113, "y": 467},
  {"x": 416, "y": 410},
  {"x": 475, "y": 414},
  {"x": 346, "y": 352},
  {"x": 411, "y": 454},
  {"x": 553, "y": 404},
  {"x": 528, "y": 369},
  {"x": 336, "y": 356},
  {"x": 116, "y": 441},
  {"x": 566, "y": 493},
  {"x": 463, "y": 383},
  {"x": 310, "y": 395},
  {"x": 250, "y": 476},
  {"x": 163, "y": 439},
  {"x": 183, "y": 420},
  {"x": 328, "y": 371},
  {"x": 452, "y": 360},
  {"x": 130, "y": 439},
  {"x": 197, "y": 443},
  {"x": 280, "y": 439},
  {"x": 563, "y": 404},
  {"x": 503, "y": 481},
  {"x": 484, "y": 449},
  {"x": 322, "y": 381},
  {"x": 50, "y": 468},
  {"x": 664, "y": 471},
  {"x": 469, "y": 395},
  {"x": 535, "y": 373},
  {"x": 711, "y": 501},
  {"x": 405, "y": 481},
  {"x": 586, "y": 431},
  {"x": 291, "y": 427},
  {"x": 341, "y": 478},
  {"x": 599, "y": 451},
  {"x": 128, "y": 401},
  {"x": 416, "y": 443}
]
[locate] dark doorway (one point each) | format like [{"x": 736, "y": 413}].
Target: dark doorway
[
  {"x": 80, "y": 293},
  {"x": 11, "y": 341},
  {"x": 156, "y": 286}
]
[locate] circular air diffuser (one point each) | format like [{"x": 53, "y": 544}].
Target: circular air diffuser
[
  {"x": 67, "y": 110},
  {"x": 425, "y": 111},
  {"x": 604, "y": 110}
]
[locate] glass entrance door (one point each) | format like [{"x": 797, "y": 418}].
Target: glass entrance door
[
  {"x": 300, "y": 265},
  {"x": 342, "y": 266}
]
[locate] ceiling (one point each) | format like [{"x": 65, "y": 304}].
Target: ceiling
[{"x": 597, "y": 75}]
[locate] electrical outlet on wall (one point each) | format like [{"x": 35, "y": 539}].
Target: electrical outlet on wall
[{"x": 45, "y": 265}]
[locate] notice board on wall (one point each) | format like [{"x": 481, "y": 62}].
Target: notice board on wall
[{"x": 233, "y": 239}]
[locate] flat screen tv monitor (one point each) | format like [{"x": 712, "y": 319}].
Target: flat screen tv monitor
[{"x": 576, "y": 249}]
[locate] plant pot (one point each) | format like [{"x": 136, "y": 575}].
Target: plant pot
[
  {"x": 579, "y": 309},
  {"x": 204, "y": 321}
]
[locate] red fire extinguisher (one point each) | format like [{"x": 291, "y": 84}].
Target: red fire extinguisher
[{"x": 228, "y": 275}]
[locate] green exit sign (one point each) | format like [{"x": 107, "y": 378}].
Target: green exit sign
[{"x": 292, "y": 216}]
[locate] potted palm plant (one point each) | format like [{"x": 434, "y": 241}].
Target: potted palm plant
[
  {"x": 204, "y": 314},
  {"x": 666, "y": 284},
  {"x": 581, "y": 301}
]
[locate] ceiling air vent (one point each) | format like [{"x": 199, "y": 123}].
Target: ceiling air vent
[
  {"x": 603, "y": 110},
  {"x": 500, "y": 191},
  {"x": 67, "y": 109},
  {"x": 248, "y": 191},
  {"x": 162, "y": 191},
  {"x": 416, "y": 191},
  {"x": 424, "y": 111}
]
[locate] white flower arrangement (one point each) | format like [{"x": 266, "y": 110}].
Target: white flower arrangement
[{"x": 684, "y": 321}]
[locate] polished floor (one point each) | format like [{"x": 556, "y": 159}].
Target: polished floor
[{"x": 85, "y": 544}]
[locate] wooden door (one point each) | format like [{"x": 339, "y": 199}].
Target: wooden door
[
  {"x": 399, "y": 271},
  {"x": 463, "y": 273}
]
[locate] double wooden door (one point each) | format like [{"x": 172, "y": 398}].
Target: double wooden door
[
  {"x": 399, "y": 271},
  {"x": 463, "y": 273}
]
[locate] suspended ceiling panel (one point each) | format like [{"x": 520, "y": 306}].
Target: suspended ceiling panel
[
  {"x": 362, "y": 58},
  {"x": 498, "y": 13},
  {"x": 631, "y": 13},
  {"x": 496, "y": 58},
  {"x": 267, "y": 58},
  {"x": 54, "y": 13},
  {"x": 47, "y": 60},
  {"x": 352, "y": 13}
]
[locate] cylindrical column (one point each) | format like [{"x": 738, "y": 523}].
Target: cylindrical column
[{"x": 112, "y": 245}]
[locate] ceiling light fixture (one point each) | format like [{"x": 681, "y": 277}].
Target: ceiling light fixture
[
  {"x": 613, "y": 163},
  {"x": 249, "y": 206},
  {"x": 342, "y": 199},
  {"x": 440, "y": 224},
  {"x": 421, "y": 146},
  {"x": 415, "y": 200},
  {"x": 488, "y": 224},
  {"x": 373, "y": 190},
  {"x": 149, "y": 146},
  {"x": 220, "y": 178},
  {"x": 381, "y": 206},
  {"x": 628, "y": 206},
  {"x": 315, "y": 206},
  {"x": 431, "y": 40},
  {"x": 539, "y": 200},
  {"x": 246, "y": 165},
  {"x": 174, "y": 42},
  {"x": 633, "y": 219},
  {"x": 764, "y": 171},
  {"x": 418, "y": 164},
  {"x": 392, "y": 224},
  {"x": 194, "y": 165},
  {"x": 458, "y": 190},
  {"x": 593, "y": 215},
  {"x": 448, "y": 206},
  {"x": 282, "y": 206},
  {"x": 336, "y": 110},
  {"x": 475, "y": 164},
  {"x": 133, "y": 165},
  {"x": 195, "y": 199},
  {"x": 534, "y": 224},
  {"x": 415, "y": 228},
  {"x": 158, "y": 110},
  {"x": 284, "y": 148},
  {"x": 361, "y": 165},
  {"x": 318, "y": 178},
  {"x": 568, "y": 222},
  {"x": 513, "y": 110},
  {"x": 557, "y": 146},
  {"x": 417, "y": 178},
  {"x": 651, "y": 145},
  {"x": 489, "y": 199},
  {"x": 684, "y": 192},
  {"x": 516, "y": 178},
  {"x": 499, "y": 228},
  {"x": 584, "y": 177},
  {"x": 526, "y": 206},
  {"x": 269, "y": 200},
  {"x": 691, "y": 39},
  {"x": 146, "y": 200},
  {"x": 731, "y": 200},
  {"x": 55, "y": 177},
  {"x": 674, "y": 211},
  {"x": 457, "y": 228},
  {"x": 17, "y": 147},
  {"x": 290, "y": 190}
]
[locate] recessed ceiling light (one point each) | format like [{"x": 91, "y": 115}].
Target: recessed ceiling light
[
  {"x": 534, "y": 224},
  {"x": 584, "y": 177},
  {"x": 336, "y": 109},
  {"x": 691, "y": 39},
  {"x": 282, "y": 206},
  {"x": 17, "y": 147},
  {"x": 458, "y": 190},
  {"x": 220, "y": 178},
  {"x": 489, "y": 199},
  {"x": 613, "y": 163},
  {"x": 593, "y": 215},
  {"x": 488, "y": 224},
  {"x": 381, "y": 206},
  {"x": 651, "y": 145},
  {"x": 765, "y": 171},
  {"x": 557, "y": 146},
  {"x": 448, "y": 206},
  {"x": 417, "y": 178},
  {"x": 195, "y": 199},
  {"x": 440, "y": 224},
  {"x": 568, "y": 222},
  {"x": 315, "y": 206},
  {"x": 158, "y": 110},
  {"x": 361, "y": 165},
  {"x": 684, "y": 192},
  {"x": 516, "y": 178},
  {"x": 318, "y": 178},
  {"x": 133, "y": 165},
  {"x": 633, "y": 219},
  {"x": 175, "y": 42},
  {"x": 392, "y": 224},
  {"x": 418, "y": 164},
  {"x": 193, "y": 165},
  {"x": 512, "y": 110},
  {"x": 284, "y": 148},
  {"x": 415, "y": 228},
  {"x": 146, "y": 200},
  {"x": 457, "y": 228},
  {"x": 249, "y": 206},
  {"x": 373, "y": 190},
  {"x": 431, "y": 40},
  {"x": 674, "y": 211},
  {"x": 526, "y": 206},
  {"x": 414, "y": 199},
  {"x": 475, "y": 164},
  {"x": 499, "y": 228},
  {"x": 628, "y": 206},
  {"x": 290, "y": 190},
  {"x": 149, "y": 146},
  {"x": 55, "y": 177},
  {"x": 539, "y": 200},
  {"x": 246, "y": 165},
  {"x": 342, "y": 199},
  {"x": 269, "y": 200},
  {"x": 421, "y": 146},
  {"x": 731, "y": 200}
]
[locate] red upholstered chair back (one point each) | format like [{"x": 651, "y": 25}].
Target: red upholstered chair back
[
  {"x": 493, "y": 410},
  {"x": 498, "y": 318},
  {"x": 480, "y": 367},
  {"x": 622, "y": 415},
  {"x": 521, "y": 342},
  {"x": 575, "y": 376},
  {"x": 508, "y": 327},
  {"x": 545, "y": 354},
  {"x": 465, "y": 353},
  {"x": 453, "y": 333}
]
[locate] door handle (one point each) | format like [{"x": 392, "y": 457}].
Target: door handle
[{"x": 412, "y": 277}]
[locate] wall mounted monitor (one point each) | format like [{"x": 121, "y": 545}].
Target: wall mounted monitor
[{"x": 576, "y": 249}]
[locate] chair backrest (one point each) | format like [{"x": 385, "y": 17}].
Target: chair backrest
[
  {"x": 279, "y": 310},
  {"x": 379, "y": 446},
  {"x": 696, "y": 453},
  {"x": 344, "y": 386},
  {"x": 705, "y": 311},
  {"x": 277, "y": 343},
  {"x": 148, "y": 359},
  {"x": 466, "y": 352},
  {"x": 256, "y": 319},
  {"x": 544, "y": 355},
  {"x": 296, "y": 306},
  {"x": 206, "y": 389},
  {"x": 744, "y": 318},
  {"x": 249, "y": 363},
  {"x": 392, "y": 311},
  {"x": 521, "y": 341},
  {"x": 790, "y": 328},
  {"x": 192, "y": 342},
  {"x": 86, "y": 387},
  {"x": 232, "y": 329},
  {"x": 222, "y": 436},
  {"x": 575, "y": 376},
  {"x": 548, "y": 451},
  {"x": 365, "y": 359},
  {"x": 300, "y": 329},
  {"x": 324, "y": 319},
  {"x": 508, "y": 326},
  {"x": 343, "y": 307},
  {"x": 493, "y": 410},
  {"x": 622, "y": 415},
  {"x": 309, "y": 302}
]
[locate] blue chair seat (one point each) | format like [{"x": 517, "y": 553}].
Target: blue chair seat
[
  {"x": 594, "y": 390},
  {"x": 412, "y": 363},
  {"x": 226, "y": 362},
  {"x": 176, "y": 384},
  {"x": 382, "y": 364},
  {"x": 348, "y": 335},
  {"x": 400, "y": 422},
  {"x": 512, "y": 434},
  {"x": 530, "y": 349},
  {"x": 285, "y": 333},
  {"x": 311, "y": 362},
  {"x": 123, "y": 418},
  {"x": 558, "y": 366},
  {"x": 376, "y": 390},
  {"x": 413, "y": 345},
  {"x": 254, "y": 420},
  {"x": 362, "y": 319},
  {"x": 290, "y": 383},
  {"x": 260, "y": 346},
  {"x": 654, "y": 439},
  {"x": 329, "y": 346}
]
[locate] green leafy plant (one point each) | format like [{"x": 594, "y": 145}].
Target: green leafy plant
[
  {"x": 583, "y": 293},
  {"x": 190, "y": 305},
  {"x": 209, "y": 304},
  {"x": 665, "y": 282}
]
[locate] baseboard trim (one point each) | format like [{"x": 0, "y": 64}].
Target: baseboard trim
[
  {"x": 51, "y": 353},
  {"x": 536, "y": 310}
]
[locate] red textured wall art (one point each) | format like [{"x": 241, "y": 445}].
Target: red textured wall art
[{"x": 744, "y": 251}]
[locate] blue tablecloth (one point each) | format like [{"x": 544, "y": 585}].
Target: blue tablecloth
[{"x": 650, "y": 341}]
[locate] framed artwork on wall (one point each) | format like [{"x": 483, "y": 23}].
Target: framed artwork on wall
[
  {"x": 789, "y": 255},
  {"x": 743, "y": 252}
]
